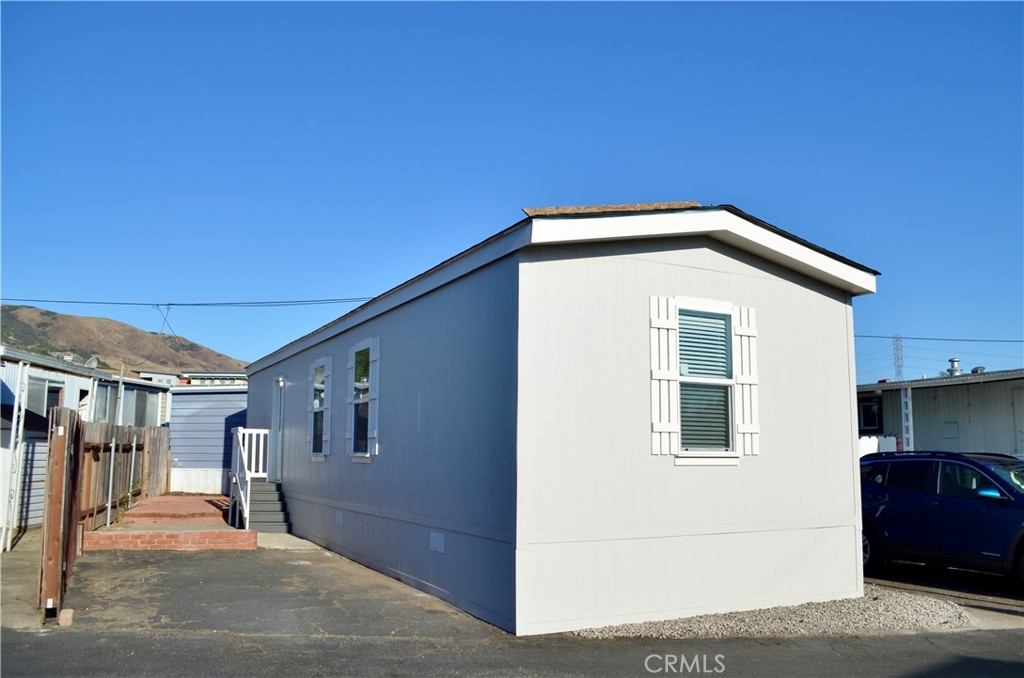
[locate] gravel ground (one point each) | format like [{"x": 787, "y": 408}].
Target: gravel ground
[{"x": 880, "y": 610}]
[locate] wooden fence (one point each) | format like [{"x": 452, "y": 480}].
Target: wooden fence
[{"x": 95, "y": 472}]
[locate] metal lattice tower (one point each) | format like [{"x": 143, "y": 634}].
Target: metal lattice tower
[{"x": 897, "y": 355}]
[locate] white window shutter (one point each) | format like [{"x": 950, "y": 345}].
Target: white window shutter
[
  {"x": 374, "y": 396},
  {"x": 328, "y": 397},
  {"x": 748, "y": 429},
  {"x": 309, "y": 409},
  {"x": 664, "y": 376},
  {"x": 349, "y": 397}
]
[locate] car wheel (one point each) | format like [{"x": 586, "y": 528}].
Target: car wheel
[{"x": 871, "y": 551}]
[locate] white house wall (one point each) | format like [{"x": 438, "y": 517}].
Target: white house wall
[
  {"x": 446, "y": 436},
  {"x": 608, "y": 533}
]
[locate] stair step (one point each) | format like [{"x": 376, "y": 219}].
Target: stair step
[
  {"x": 269, "y": 527},
  {"x": 267, "y": 508},
  {"x": 269, "y": 516},
  {"x": 268, "y": 499}
]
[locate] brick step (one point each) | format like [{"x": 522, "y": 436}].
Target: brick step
[
  {"x": 198, "y": 540},
  {"x": 157, "y": 521}
]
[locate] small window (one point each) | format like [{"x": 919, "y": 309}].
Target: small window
[
  {"x": 364, "y": 389},
  {"x": 705, "y": 381},
  {"x": 704, "y": 384},
  {"x": 319, "y": 434},
  {"x": 912, "y": 475},
  {"x": 361, "y": 402},
  {"x": 869, "y": 415}
]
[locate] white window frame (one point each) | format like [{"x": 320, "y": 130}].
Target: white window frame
[
  {"x": 324, "y": 408},
  {"x": 714, "y": 308},
  {"x": 369, "y": 396},
  {"x": 666, "y": 378}
]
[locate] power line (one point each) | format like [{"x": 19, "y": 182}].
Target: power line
[
  {"x": 210, "y": 304},
  {"x": 989, "y": 341}
]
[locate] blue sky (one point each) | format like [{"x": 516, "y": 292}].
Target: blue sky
[{"x": 192, "y": 152}]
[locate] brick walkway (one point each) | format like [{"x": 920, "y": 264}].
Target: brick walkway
[{"x": 172, "y": 523}]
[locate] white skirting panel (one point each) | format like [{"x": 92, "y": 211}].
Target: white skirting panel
[
  {"x": 582, "y": 584},
  {"x": 199, "y": 480}
]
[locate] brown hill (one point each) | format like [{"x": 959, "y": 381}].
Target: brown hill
[{"x": 80, "y": 338}]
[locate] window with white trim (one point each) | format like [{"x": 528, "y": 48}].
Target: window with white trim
[
  {"x": 319, "y": 428},
  {"x": 703, "y": 381},
  {"x": 364, "y": 392}
]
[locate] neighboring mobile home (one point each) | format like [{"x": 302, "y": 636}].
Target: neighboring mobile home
[
  {"x": 599, "y": 415},
  {"x": 979, "y": 411},
  {"x": 200, "y": 429},
  {"x": 51, "y": 382}
]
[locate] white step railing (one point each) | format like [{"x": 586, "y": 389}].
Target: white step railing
[{"x": 248, "y": 461}]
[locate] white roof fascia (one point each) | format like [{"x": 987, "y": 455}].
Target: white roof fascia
[
  {"x": 718, "y": 224},
  {"x": 458, "y": 266}
]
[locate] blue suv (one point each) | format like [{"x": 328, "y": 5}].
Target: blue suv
[{"x": 964, "y": 510}]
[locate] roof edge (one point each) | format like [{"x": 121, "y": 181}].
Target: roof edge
[
  {"x": 592, "y": 210},
  {"x": 501, "y": 244},
  {"x": 932, "y": 382}
]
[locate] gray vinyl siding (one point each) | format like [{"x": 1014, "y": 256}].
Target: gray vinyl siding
[
  {"x": 33, "y": 484},
  {"x": 200, "y": 426},
  {"x": 446, "y": 437}
]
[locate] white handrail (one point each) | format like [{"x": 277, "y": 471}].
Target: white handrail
[{"x": 249, "y": 460}]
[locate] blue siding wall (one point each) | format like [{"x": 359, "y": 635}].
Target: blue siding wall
[{"x": 201, "y": 423}]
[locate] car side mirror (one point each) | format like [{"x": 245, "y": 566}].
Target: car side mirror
[{"x": 990, "y": 493}]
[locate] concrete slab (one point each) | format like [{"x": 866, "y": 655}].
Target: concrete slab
[
  {"x": 19, "y": 583},
  {"x": 308, "y": 593},
  {"x": 287, "y": 542},
  {"x": 296, "y": 609}
]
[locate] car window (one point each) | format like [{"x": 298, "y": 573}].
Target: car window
[
  {"x": 874, "y": 471},
  {"x": 1008, "y": 469},
  {"x": 911, "y": 475},
  {"x": 961, "y": 480}
]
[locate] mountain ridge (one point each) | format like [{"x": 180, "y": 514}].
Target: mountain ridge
[{"x": 76, "y": 339}]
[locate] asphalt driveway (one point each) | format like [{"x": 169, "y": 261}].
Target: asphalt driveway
[{"x": 303, "y": 611}]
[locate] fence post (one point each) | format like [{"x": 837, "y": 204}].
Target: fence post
[
  {"x": 50, "y": 582},
  {"x": 110, "y": 480},
  {"x": 131, "y": 472}
]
